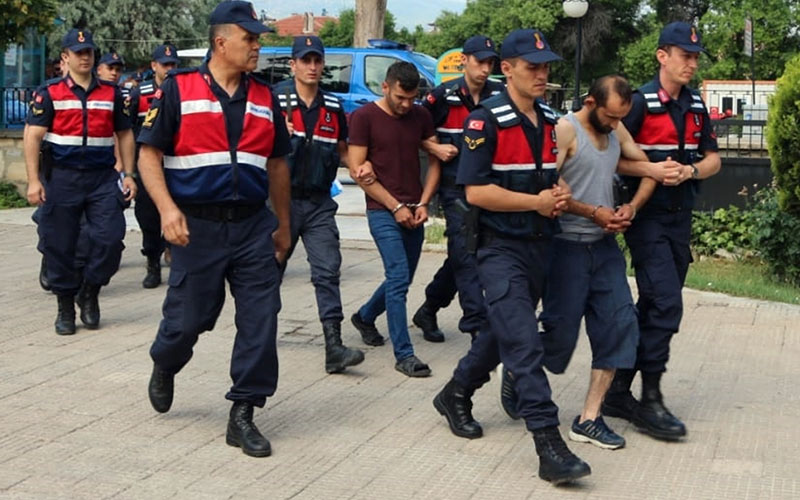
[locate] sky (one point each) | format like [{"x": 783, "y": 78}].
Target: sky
[{"x": 408, "y": 13}]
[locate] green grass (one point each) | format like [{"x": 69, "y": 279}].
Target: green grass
[
  {"x": 743, "y": 278},
  {"x": 9, "y": 196},
  {"x": 434, "y": 232}
]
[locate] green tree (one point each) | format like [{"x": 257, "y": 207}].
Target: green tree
[
  {"x": 783, "y": 137},
  {"x": 638, "y": 58},
  {"x": 21, "y": 15},
  {"x": 134, "y": 27},
  {"x": 776, "y": 25}
]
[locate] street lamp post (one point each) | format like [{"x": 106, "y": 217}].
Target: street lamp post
[{"x": 576, "y": 9}]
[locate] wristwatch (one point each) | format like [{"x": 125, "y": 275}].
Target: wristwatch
[{"x": 695, "y": 171}]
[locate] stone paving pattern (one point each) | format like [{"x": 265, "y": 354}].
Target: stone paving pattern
[{"x": 75, "y": 422}]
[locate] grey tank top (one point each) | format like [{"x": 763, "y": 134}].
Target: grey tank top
[{"x": 590, "y": 175}]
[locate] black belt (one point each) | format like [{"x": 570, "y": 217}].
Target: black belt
[
  {"x": 223, "y": 213},
  {"x": 487, "y": 234}
]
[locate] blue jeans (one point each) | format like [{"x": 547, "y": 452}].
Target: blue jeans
[{"x": 400, "y": 249}]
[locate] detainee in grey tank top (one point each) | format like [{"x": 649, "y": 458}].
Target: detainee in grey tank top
[{"x": 590, "y": 175}]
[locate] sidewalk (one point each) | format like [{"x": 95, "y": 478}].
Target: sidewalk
[{"x": 75, "y": 421}]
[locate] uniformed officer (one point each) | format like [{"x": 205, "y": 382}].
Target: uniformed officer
[
  {"x": 449, "y": 104},
  {"x": 318, "y": 129},
  {"x": 76, "y": 118},
  {"x": 165, "y": 58},
  {"x": 669, "y": 121},
  {"x": 223, "y": 147},
  {"x": 508, "y": 167},
  {"x": 110, "y": 67}
]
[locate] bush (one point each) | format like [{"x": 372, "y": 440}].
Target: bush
[
  {"x": 9, "y": 196},
  {"x": 775, "y": 235},
  {"x": 783, "y": 137},
  {"x": 724, "y": 229}
]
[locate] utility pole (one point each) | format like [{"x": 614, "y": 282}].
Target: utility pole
[{"x": 370, "y": 16}]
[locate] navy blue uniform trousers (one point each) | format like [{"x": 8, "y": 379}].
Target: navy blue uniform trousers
[
  {"x": 459, "y": 272},
  {"x": 243, "y": 254},
  {"x": 314, "y": 220},
  {"x": 660, "y": 255},
  {"x": 514, "y": 273},
  {"x": 72, "y": 194},
  {"x": 149, "y": 222}
]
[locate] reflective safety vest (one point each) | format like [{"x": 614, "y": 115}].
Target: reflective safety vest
[
  {"x": 147, "y": 92},
  {"x": 516, "y": 167},
  {"x": 82, "y": 133},
  {"x": 202, "y": 168},
  {"x": 659, "y": 138},
  {"x": 314, "y": 159},
  {"x": 451, "y": 131}
]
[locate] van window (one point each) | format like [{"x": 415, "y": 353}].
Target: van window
[
  {"x": 336, "y": 75},
  {"x": 375, "y": 71},
  {"x": 274, "y": 67}
]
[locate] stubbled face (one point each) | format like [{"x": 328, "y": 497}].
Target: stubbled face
[
  {"x": 238, "y": 47},
  {"x": 398, "y": 99},
  {"x": 475, "y": 70},
  {"x": 677, "y": 65},
  {"x": 527, "y": 79},
  {"x": 605, "y": 119},
  {"x": 308, "y": 69}
]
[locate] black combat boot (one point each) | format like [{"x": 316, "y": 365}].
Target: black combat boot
[
  {"x": 161, "y": 389},
  {"x": 90, "y": 308},
  {"x": 242, "y": 432},
  {"x": 619, "y": 402},
  {"x": 153, "y": 277},
  {"x": 44, "y": 281},
  {"x": 556, "y": 463},
  {"x": 508, "y": 395},
  {"x": 652, "y": 417},
  {"x": 455, "y": 404},
  {"x": 337, "y": 356},
  {"x": 65, "y": 320},
  {"x": 425, "y": 319}
]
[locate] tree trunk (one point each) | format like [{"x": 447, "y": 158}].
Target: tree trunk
[{"x": 370, "y": 16}]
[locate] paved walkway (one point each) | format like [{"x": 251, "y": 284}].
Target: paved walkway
[{"x": 75, "y": 421}]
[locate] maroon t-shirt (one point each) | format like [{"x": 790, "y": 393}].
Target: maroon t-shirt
[{"x": 393, "y": 145}]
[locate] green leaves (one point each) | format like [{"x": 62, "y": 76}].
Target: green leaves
[
  {"x": 783, "y": 137},
  {"x": 21, "y": 15}
]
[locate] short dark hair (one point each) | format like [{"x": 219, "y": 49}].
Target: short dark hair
[
  {"x": 405, "y": 74},
  {"x": 214, "y": 31},
  {"x": 602, "y": 87}
]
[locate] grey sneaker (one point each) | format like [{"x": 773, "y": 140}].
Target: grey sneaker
[
  {"x": 596, "y": 432},
  {"x": 413, "y": 367}
]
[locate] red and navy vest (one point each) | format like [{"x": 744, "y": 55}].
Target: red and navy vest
[
  {"x": 314, "y": 159},
  {"x": 146, "y": 93},
  {"x": 451, "y": 131},
  {"x": 202, "y": 168},
  {"x": 82, "y": 133},
  {"x": 516, "y": 167},
  {"x": 659, "y": 138}
]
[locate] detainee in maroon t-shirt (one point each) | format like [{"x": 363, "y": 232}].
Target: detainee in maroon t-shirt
[{"x": 385, "y": 138}]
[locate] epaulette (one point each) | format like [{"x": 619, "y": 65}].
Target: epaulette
[
  {"x": 550, "y": 116},
  {"x": 53, "y": 81},
  {"x": 147, "y": 87},
  {"x": 260, "y": 79},
  {"x": 698, "y": 106},
  {"x": 331, "y": 101},
  {"x": 501, "y": 111}
]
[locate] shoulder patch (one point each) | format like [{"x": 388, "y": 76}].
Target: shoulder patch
[{"x": 476, "y": 125}]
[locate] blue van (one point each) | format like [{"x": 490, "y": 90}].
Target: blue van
[{"x": 355, "y": 75}]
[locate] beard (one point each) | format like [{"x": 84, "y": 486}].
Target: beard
[{"x": 597, "y": 125}]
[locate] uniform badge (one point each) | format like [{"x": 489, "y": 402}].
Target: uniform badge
[
  {"x": 150, "y": 117},
  {"x": 38, "y": 99},
  {"x": 114, "y": 56},
  {"x": 253, "y": 12},
  {"x": 539, "y": 41},
  {"x": 473, "y": 144},
  {"x": 158, "y": 94},
  {"x": 475, "y": 125},
  {"x": 327, "y": 117},
  {"x": 488, "y": 44},
  {"x": 553, "y": 135},
  {"x": 430, "y": 98},
  {"x": 696, "y": 119},
  {"x": 694, "y": 37},
  {"x": 308, "y": 42},
  {"x": 167, "y": 51},
  {"x": 81, "y": 38},
  {"x": 663, "y": 96}
]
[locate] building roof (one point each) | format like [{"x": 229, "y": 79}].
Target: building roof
[{"x": 294, "y": 25}]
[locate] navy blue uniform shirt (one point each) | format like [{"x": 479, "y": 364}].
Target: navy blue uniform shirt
[
  {"x": 311, "y": 114},
  {"x": 42, "y": 112},
  {"x": 167, "y": 121},
  {"x": 677, "y": 110}
]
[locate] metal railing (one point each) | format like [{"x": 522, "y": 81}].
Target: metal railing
[{"x": 14, "y": 104}]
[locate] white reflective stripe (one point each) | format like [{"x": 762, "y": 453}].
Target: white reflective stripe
[
  {"x": 453, "y": 98},
  {"x": 77, "y": 140},
  {"x": 330, "y": 140},
  {"x": 504, "y": 167},
  {"x": 501, "y": 109},
  {"x": 198, "y": 160},
  {"x": 495, "y": 92},
  {"x": 142, "y": 114},
  {"x": 252, "y": 159},
  {"x": 549, "y": 166},
  {"x": 697, "y": 98},
  {"x": 299, "y": 134},
  {"x": 258, "y": 110},
  {"x": 67, "y": 104},
  {"x": 331, "y": 103},
  {"x": 104, "y": 105},
  {"x": 505, "y": 118},
  {"x": 450, "y": 130},
  {"x": 664, "y": 147},
  {"x": 650, "y": 96},
  {"x": 200, "y": 106}
]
